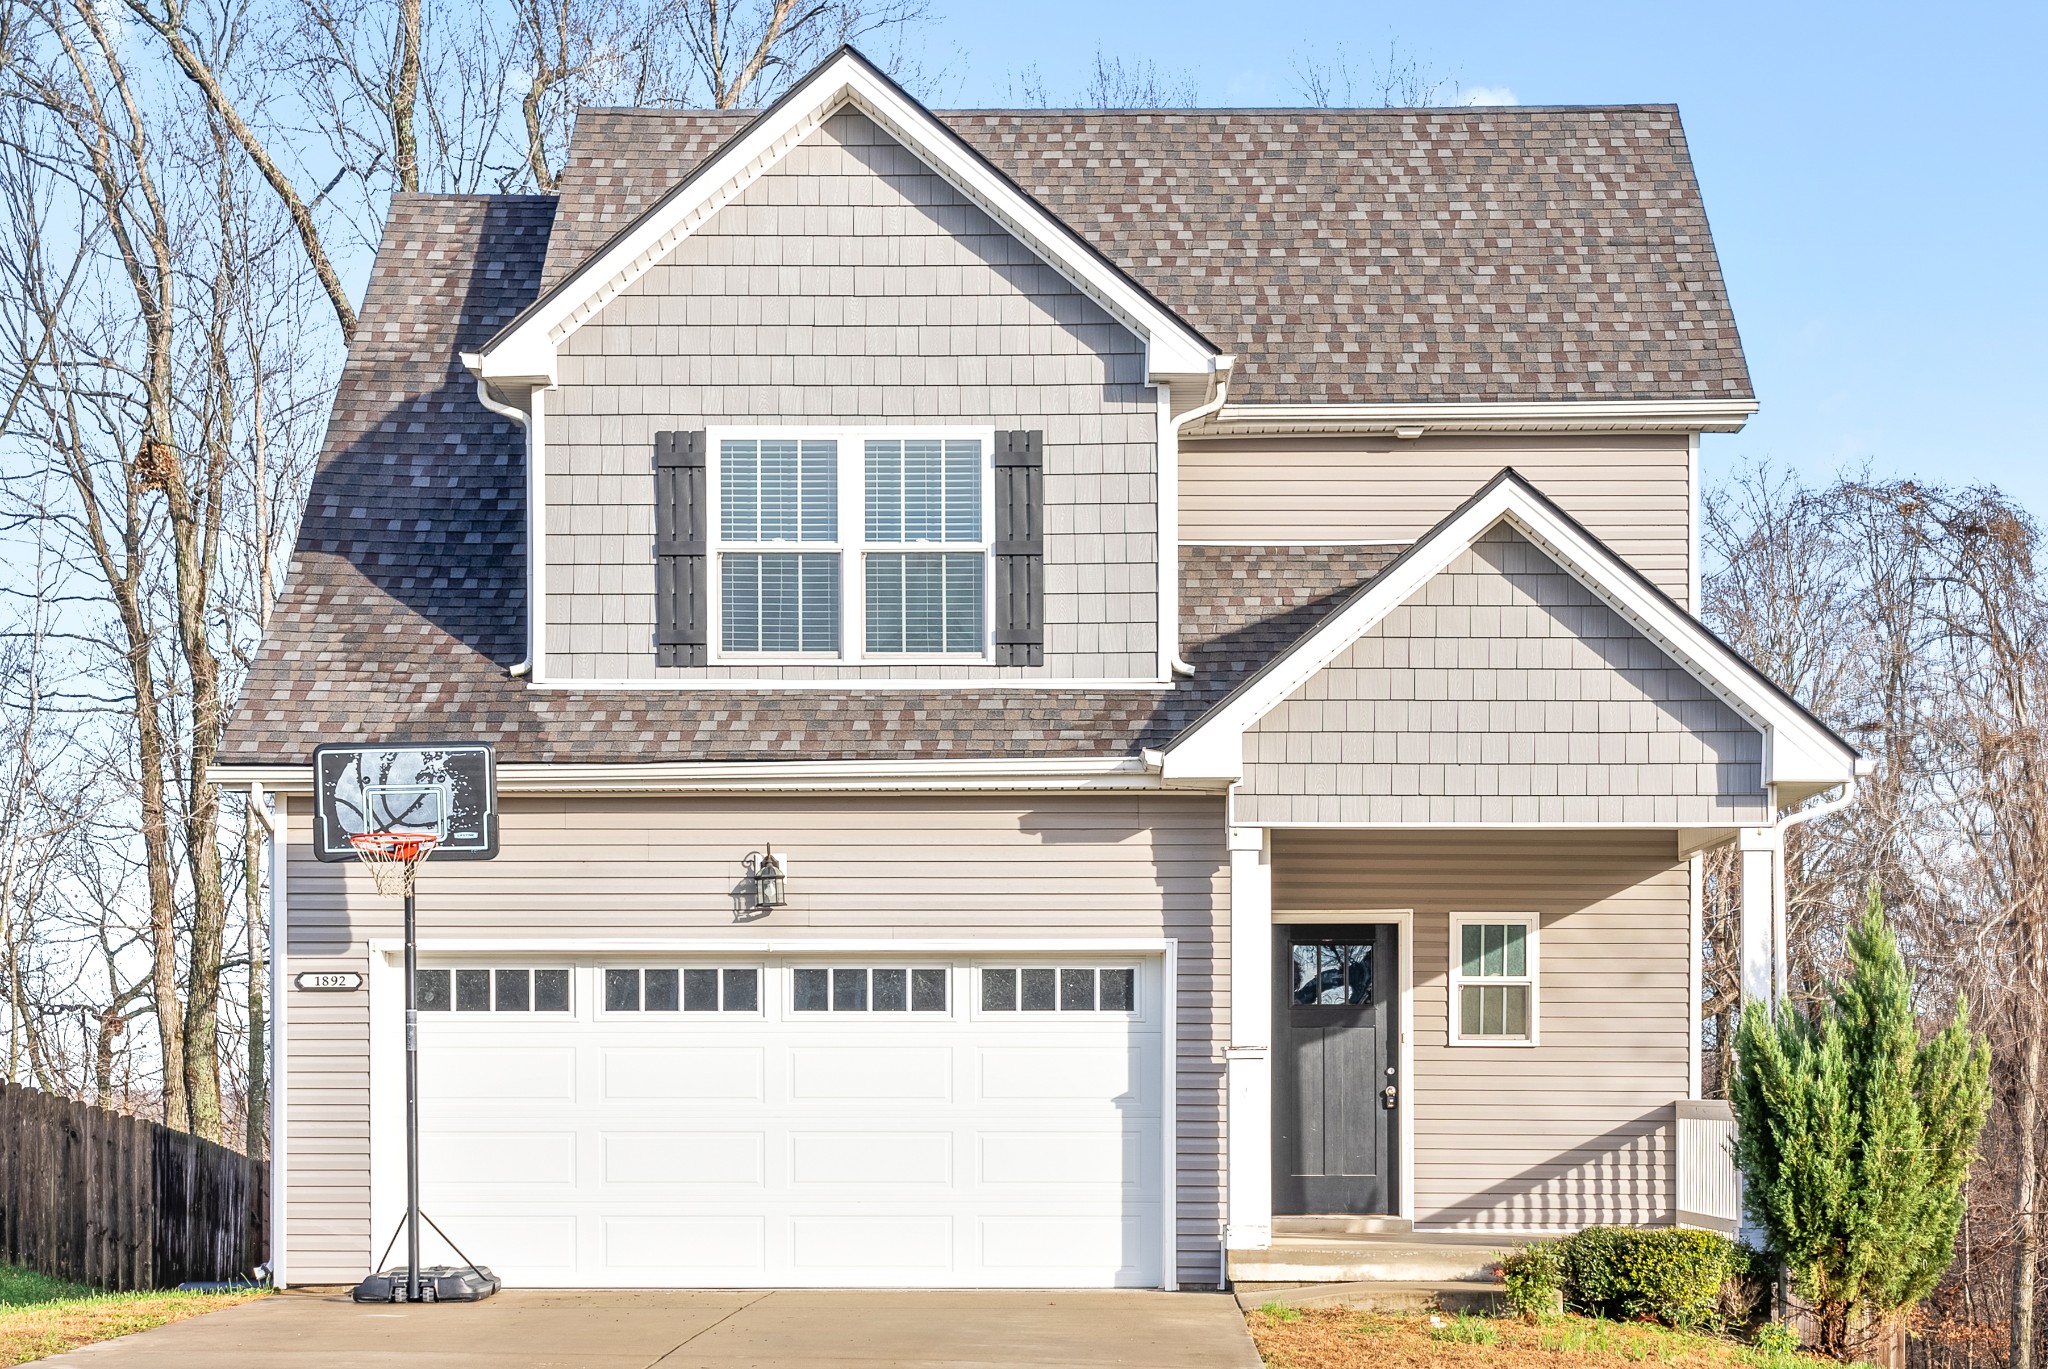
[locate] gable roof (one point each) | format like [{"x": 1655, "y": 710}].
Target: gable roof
[
  {"x": 1799, "y": 750},
  {"x": 1435, "y": 256},
  {"x": 525, "y": 348}
]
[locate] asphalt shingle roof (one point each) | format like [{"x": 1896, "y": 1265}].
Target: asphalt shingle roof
[{"x": 1346, "y": 256}]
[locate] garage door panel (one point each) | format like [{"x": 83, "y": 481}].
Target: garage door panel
[
  {"x": 870, "y": 1074},
  {"x": 501, "y": 1074},
  {"x": 707, "y": 1245},
  {"x": 529, "y": 1247},
  {"x": 868, "y": 1158},
  {"x": 1069, "y": 1072},
  {"x": 865, "y": 1246},
  {"x": 687, "y": 1158},
  {"x": 705, "y": 1073},
  {"x": 1120, "y": 1159},
  {"x": 466, "y": 1159},
  {"x": 1120, "y": 1246}
]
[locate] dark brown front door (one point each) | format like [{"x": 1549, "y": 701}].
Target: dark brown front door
[{"x": 1335, "y": 1092}]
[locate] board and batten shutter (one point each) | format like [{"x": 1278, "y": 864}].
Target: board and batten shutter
[
  {"x": 1019, "y": 547},
  {"x": 682, "y": 619}
]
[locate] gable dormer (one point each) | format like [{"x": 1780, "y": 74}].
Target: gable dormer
[{"x": 847, "y": 405}]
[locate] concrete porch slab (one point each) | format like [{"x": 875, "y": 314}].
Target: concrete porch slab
[{"x": 531, "y": 1329}]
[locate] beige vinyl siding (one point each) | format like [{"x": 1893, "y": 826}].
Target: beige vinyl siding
[
  {"x": 1574, "y": 1130},
  {"x": 1503, "y": 691},
  {"x": 574, "y": 870},
  {"x": 1632, "y": 491},
  {"x": 852, "y": 285}
]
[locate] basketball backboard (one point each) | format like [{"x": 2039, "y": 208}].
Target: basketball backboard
[{"x": 448, "y": 789}]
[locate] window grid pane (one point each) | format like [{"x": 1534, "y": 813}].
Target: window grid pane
[
  {"x": 779, "y": 490},
  {"x": 622, "y": 991},
  {"x": 514, "y": 991},
  {"x": 928, "y": 990},
  {"x": 430, "y": 990},
  {"x": 700, "y": 990},
  {"x": 998, "y": 990},
  {"x": 659, "y": 993},
  {"x": 472, "y": 991},
  {"x": 923, "y": 490},
  {"x": 812, "y": 993},
  {"x": 849, "y": 990},
  {"x": 742, "y": 991},
  {"x": 1117, "y": 991},
  {"x": 1077, "y": 990},
  {"x": 551, "y": 991},
  {"x": 925, "y": 602},
  {"x": 780, "y": 601}
]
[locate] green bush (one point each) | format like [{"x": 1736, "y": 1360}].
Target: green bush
[
  {"x": 1534, "y": 1278},
  {"x": 1665, "y": 1274}
]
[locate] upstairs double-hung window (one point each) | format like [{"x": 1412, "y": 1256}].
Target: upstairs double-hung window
[{"x": 916, "y": 508}]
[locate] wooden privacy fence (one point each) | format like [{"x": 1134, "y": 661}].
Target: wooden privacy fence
[{"x": 121, "y": 1203}]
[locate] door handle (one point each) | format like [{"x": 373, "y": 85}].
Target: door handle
[{"x": 1387, "y": 1096}]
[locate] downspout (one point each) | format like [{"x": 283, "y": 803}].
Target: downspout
[
  {"x": 1780, "y": 914},
  {"x": 278, "y": 946},
  {"x": 1169, "y": 506},
  {"x": 533, "y": 544}
]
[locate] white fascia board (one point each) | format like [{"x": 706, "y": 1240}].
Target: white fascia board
[
  {"x": 740, "y": 777},
  {"x": 527, "y": 351},
  {"x": 1796, "y": 748},
  {"x": 1562, "y": 416}
]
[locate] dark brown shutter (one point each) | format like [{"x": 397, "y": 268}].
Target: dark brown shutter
[
  {"x": 1019, "y": 547},
  {"x": 682, "y": 621}
]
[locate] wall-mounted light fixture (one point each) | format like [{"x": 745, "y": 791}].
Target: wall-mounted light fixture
[{"x": 765, "y": 873}]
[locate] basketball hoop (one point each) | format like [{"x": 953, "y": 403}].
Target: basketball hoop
[{"x": 392, "y": 857}]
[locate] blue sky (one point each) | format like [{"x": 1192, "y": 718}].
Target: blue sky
[{"x": 1877, "y": 178}]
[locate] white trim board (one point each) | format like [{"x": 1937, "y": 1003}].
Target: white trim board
[
  {"x": 1797, "y": 748},
  {"x": 526, "y": 350},
  {"x": 1410, "y": 421}
]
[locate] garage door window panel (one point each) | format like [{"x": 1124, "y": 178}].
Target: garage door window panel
[
  {"x": 504, "y": 989},
  {"x": 1062, "y": 989},
  {"x": 869, "y": 989},
  {"x": 666, "y": 989}
]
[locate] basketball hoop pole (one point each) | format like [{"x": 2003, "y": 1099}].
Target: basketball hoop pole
[{"x": 412, "y": 1103}]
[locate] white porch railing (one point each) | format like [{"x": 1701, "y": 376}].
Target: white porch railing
[{"x": 1709, "y": 1186}]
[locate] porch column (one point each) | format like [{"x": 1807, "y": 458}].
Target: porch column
[
  {"x": 1249, "y": 1056},
  {"x": 1758, "y": 849}
]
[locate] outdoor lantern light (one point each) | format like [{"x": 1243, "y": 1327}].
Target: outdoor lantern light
[{"x": 764, "y": 869}]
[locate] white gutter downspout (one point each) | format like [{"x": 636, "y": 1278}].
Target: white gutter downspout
[
  {"x": 533, "y": 542},
  {"x": 1169, "y": 513},
  {"x": 1780, "y": 914}
]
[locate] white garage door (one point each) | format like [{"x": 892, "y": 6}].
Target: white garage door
[{"x": 846, "y": 1121}]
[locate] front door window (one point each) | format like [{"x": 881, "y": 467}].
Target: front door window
[{"x": 1333, "y": 974}]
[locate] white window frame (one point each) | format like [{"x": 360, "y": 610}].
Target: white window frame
[
  {"x": 1532, "y": 939},
  {"x": 851, "y": 546},
  {"x": 1138, "y": 1012}
]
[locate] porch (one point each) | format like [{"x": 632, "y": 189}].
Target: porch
[{"x": 1471, "y": 1039}]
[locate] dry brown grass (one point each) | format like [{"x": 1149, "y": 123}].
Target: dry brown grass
[
  {"x": 1318, "y": 1339},
  {"x": 38, "y": 1330}
]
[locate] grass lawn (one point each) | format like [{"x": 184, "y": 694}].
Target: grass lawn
[
  {"x": 42, "y": 1316},
  {"x": 1318, "y": 1339}
]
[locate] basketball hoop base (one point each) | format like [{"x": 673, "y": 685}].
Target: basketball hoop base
[{"x": 438, "y": 1283}]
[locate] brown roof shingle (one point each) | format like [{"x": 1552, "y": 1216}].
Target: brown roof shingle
[{"x": 1346, "y": 256}]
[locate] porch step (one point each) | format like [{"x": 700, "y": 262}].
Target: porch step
[
  {"x": 1413, "y": 1295},
  {"x": 1342, "y": 1224},
  {"x": 1431, "y": 1258}
]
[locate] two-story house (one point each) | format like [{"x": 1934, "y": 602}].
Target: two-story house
[{"x": 1201, "y": 602}]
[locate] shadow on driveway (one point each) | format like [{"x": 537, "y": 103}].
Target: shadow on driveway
[{"x": 529, "y": 1329}]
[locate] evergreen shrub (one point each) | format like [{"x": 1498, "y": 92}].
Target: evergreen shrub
[{"x": 1667, "y": 1274}]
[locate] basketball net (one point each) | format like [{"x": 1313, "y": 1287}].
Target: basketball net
[{"x": 392, "y": 857}]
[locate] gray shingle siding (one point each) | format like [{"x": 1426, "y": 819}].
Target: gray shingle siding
[
  {"x": 851, "y": 284},
  {"x": 1504, "y": 691}
]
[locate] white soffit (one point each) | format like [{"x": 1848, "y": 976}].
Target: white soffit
[
  {"x": 1797, "y": 748},
  {"x": 526, "y": 350}
]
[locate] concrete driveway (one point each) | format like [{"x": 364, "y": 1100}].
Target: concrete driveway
[{"x": 527, "y": 1329}]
